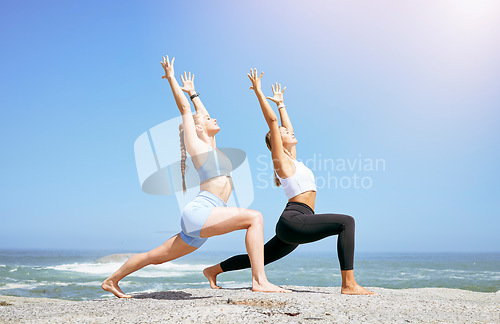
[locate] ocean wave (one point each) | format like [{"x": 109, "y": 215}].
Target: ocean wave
[
  {"x": 442, "y": 270},
  {"x": 32, "y": 284},
  {"x": 463, "y": 274},
  {"x": 18, "y": 285},
  {"x": 122, "y": 257},
  {"x": 162, "y": 270},
  {"x": 88, "y": 284},
  {"x": 236, "y": 284}
]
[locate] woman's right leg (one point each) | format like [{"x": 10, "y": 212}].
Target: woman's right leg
[
  {"x": 274, "y": 249},
  {"x": 223, "y": 220},
  {"x": 172, "y": 249},
  {"x": 306, "y": 228}
]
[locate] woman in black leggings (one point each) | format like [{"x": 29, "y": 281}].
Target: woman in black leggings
[{"x": 298, "y": 224}]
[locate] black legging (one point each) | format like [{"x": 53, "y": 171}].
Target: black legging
[{"x": 297, "y": 225}]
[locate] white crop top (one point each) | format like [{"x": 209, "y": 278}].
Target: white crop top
[{"x": 301, "y": 181}]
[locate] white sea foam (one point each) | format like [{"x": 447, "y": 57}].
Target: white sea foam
[
  {"x": 397, "y": 279},
  {"x": 33, "y": 284},
  {"x": 455, "y": 271},
  {"x": 53, "y": 283},
  {"x": 456, "y": 277},
  {"x": 235, "y": 284},
  {"x": 147, "y": 273},
  {"x": 121, "y": 257},
  {"x": 162, "y": 270},
  {"x": 90, "y": 283},
  {"x": 463, "y": 274},
  {"x": 90, "y": 268},
  {"x": 17, "y": 286}
]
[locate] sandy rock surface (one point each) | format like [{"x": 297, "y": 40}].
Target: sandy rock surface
[{"x": 304, "y": 305}]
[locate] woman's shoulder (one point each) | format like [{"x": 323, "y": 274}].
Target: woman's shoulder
[{"x": 287, "y": 167}]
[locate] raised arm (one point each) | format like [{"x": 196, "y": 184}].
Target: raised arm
[
  {"x": 180, "y": 98},
  {"x": 282, "y": 165},
  {"x": 194, "y": 144},
  {"x": 188, "y": 87},
  {"x": 285, "y": 120}
]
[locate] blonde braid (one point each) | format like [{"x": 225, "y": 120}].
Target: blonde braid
[{"x": 183, "y": 158}]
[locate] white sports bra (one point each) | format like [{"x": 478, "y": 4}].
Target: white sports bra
[{"x": 301, "y": 181}]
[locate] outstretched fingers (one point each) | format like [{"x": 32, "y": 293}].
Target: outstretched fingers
[
  {"x": 277, "y": 88},
  {"x": 187, "y": 77},
  {"x": 253, "y": 74},
  {"x": 164, "y": 66},
  {"x": 168, "y": 66},
  {"x": 166, "y": 61},
  {"x": 253, "y": 77},
  {"x": 251, "y": 80}
]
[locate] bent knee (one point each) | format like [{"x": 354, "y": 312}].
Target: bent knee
[
  {"x": 256, "y": 218},
  {"x": 349, "y": 221}
]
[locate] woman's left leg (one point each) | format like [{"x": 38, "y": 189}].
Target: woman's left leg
[{"x": 172, "y": 249}]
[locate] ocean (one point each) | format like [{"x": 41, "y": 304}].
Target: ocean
[{"x": 77, "y": 275}]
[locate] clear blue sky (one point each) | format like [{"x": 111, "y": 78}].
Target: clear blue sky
[{"x": 415, "y": 83}]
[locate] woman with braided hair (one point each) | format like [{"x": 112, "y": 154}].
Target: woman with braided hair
[
  {"x": 207, "y": 215},
  {"x": 298, "y": 223}
]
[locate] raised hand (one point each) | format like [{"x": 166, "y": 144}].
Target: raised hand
[
  {"x": 168, "y": 67},
  {"x": 277, "y": 94},
  {"x": 255, "y": 80},
  {"x": 187, "y": 82}
]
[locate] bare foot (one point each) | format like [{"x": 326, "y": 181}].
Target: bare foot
[
  {"x": 268, "y": 287},
  {"x": 356, "y": 290},
  {"x": 111, "y": 287},
  {"x": 211, "y": 274}
]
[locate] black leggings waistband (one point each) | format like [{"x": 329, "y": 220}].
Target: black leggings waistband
[{"x": 301, "y": 207}]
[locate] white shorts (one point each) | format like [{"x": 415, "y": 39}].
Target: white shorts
[{"x": 194, "y": 216}]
